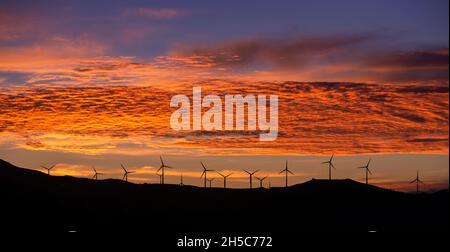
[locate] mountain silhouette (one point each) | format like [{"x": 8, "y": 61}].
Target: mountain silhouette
[{"x": 33, "y": 200}]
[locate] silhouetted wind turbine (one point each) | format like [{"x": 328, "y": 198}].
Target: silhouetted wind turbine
[
  {"x": 286, "y": 170},
  {"x": 181, "y": 180},
  {"x": 251, "y": 175},
  {"x": 48, "y": 168},
  {"x": 160, "y": 177},
  {"x": 261, "y": 180},
  {"x": 417, "y": 181},
  {"x": 366, "y": 167},
  {"x": 161, "y": 168},
  {"x": 330, "y": 164},
  {"x": 125, "y": 174},
  {"x": 205, "y": 171},
  {"x": 96, "y": 173},
  {"x": 210, "y": 182},
  {"x": 224, "y": 179}
]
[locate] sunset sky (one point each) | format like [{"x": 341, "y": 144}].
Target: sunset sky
[{"x": 87, "y": 83}]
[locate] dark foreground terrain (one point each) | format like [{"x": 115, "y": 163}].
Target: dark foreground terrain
[{"x": 34, "y": 201}]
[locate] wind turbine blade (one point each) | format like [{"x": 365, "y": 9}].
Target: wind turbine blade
[
  {"x": 413, "y": 181},
  {"x": 291, "y": 172},
  {"x": 123, "y": 167},
  {"x": 325, "y": 162},
  {"x": 332, "y": 165},
  {"x": 220, "y": 174},
  {"x": 162, "y": 162},
  {"x": 203, "y": 165},
  {"x": 421, "y": 182},
  {"x": 255, "y": 172},
  {"x": 332, "y": 156},
  {"x": 369, "y": 171},
  {"x": 51, "y": 167},
  {"x": 204, "y": 172},
  {"x": 368, "y": 163},
  {"x": 246, "y": 171},
  {"x": 282, "y": 171}
]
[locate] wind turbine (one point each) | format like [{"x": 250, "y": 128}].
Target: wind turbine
[
  {"x": 251, "y": 175},
  {"x": 125, "y": 174},
  {"x": 96, "y": 173},
  {"x": 261, "y": 180},
  {"x": 205, "y": 171},
  {"x": 366, "y": 167},
  {"x": 160, "y": 177},
  {"x": 161, "y": 168},
  {"x": 181, "y": 182},
  {"x": 224, "y": 179},
  {"x": 417, "y": 181},
  {"x": 330, "y": 164},
  {"x": 210, "y": 182},
  {"x": 181, "y": 178},
  {"x": 286, "y": 170},
  {"x": 48, "y": 168}
]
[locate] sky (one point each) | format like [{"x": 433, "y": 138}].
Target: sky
[{"x": 86, "y": 83}]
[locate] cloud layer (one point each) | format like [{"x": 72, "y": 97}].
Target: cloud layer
[{"x": 314, "y": 118}]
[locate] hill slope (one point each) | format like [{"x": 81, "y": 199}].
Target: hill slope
[{"x": 34, "y": 200}]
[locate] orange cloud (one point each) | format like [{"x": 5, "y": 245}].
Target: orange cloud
[
  {"x": 55, "y": 55},
  {"x": 315, "y": 118}
]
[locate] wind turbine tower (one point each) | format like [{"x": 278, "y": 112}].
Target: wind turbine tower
[
  {"x": 286, "y": 171},
  {"x": 330, "y": 165},
  {"x": 417, "y": 181},
  {"x": 205, "y": 171},
  {"x": 251, "y": 175},
  {"x": 161, "y": 168},
  {"x": 96, "y": 173},
  {"x": 125, "y": 173},
  {"x": 261, "y": 180},
  {"x": 366, "y": 167},
  {"x": 224, "y": 178},
  {"x": 48, "y": 168}
]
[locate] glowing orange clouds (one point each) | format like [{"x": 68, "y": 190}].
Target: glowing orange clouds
[{"x": 314, "y": 118}]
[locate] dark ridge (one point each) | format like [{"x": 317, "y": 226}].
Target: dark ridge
[{"x": 37, "y": 201}]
